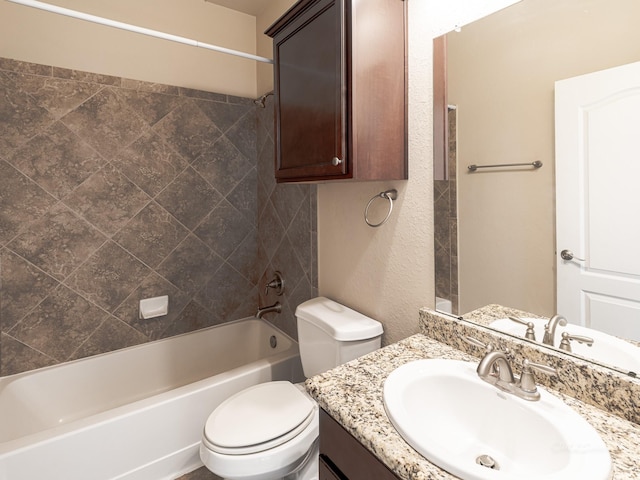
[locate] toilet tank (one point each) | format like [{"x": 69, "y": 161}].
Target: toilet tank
[{"x": 330, "y": 334}]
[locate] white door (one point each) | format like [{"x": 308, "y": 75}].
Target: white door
[{"x": 598, "y": 200}]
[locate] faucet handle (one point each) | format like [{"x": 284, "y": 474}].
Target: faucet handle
[
  {"x": 277, "y": 284},
  {"x": 567, "y": 337},
  {"x": 527, "y": 380},
  {"x": 477, "y": 343},
  {"x": 529, "y": 334}
]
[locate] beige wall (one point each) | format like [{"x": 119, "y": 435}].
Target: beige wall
[
  {"x": 501, "y": 75},
  {"x": 34, "y": 36}
]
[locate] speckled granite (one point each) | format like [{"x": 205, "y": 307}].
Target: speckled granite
[
  {"x": 352, "y": 394},
  {"x": 602, "y": 387}
]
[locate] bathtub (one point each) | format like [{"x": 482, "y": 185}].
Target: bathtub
[{"x": 136, "y": 413}]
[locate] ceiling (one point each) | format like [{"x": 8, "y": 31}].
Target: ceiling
[{"x": 251, "y": 7}]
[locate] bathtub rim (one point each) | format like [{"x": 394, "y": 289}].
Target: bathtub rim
[
  {"x": 122, "y": 411},
  {"x": 158, "y": 341}
]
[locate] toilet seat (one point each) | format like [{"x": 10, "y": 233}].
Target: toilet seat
[{"x": 258, "y": 418}]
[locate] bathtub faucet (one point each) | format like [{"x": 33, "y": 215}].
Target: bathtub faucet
[{"x": 276, "y": 307}]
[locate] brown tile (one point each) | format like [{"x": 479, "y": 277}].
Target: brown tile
[
  {"x": 60, "y": 324},
  {"x": 112, "y": 334},
  {"x": 286, "y": 199},
  {"x": 193, "y": 317},
  {"x": 271, "y": 231},
  {"x": 57, "y": 160},
  {"x": 25, "y": 67},
  {"x": 20, "y": 116},
  {"x": 151, "y": 235},
  {"x": 265, "y": 167},
  {"x": 188, "y": 130},
  {"x": 57, "y": 96},
  {"x": 18, "y": 357},
  {"x": 105, "y": 122},
  {"x": 300, "y": 234},
  {"x": 287, "y": 261},
  {"x": 107, "y": 199},
  {"x": 224, "y": 115},
  {"x": 245, "y": 258},
  {"x": 150, "y": 163},
  {"x": 189, "y": 198},
  {"x": 224, "y": 229},
  {"x": 58, "y": 243},
  {"x": 108, "y": 277},
  {"x": 243, "y": 134},
  {"x": 152, "y": 286},
  {"x": 223, "y": 166},
  {"x": 142, "y": 86},
  {"x": 243, "y": 197},
  {"x": 225, "y": 292},
  {"x": 151, "y": 106},
  {"x": 23, "y": 287},
  {"x": 21, "y": 202},
  {"x": 189, "y": 92},
  {"x": 190, "y": 265}
]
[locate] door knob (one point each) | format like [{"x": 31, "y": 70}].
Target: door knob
[
  {"x": 568, "y": 255},
  {"x": 335, "y": 161}
]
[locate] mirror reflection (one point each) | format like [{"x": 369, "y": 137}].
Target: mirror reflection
[{"x": 497, "y": 228}]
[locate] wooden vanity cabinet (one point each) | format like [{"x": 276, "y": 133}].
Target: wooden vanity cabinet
[
  {"x": 340, "y": 91},
  {"x": 342, "y": 457}
]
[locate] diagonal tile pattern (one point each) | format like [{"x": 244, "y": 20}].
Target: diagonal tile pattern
[{"x": 113, "y": 190}]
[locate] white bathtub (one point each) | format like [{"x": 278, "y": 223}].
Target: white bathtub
[{"x": 136, "y": 413}]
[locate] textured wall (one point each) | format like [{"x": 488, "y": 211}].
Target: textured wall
[{"x": 113, "y": 190}]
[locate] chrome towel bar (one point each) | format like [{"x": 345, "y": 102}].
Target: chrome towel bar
[{"x": 536, "y": 164}]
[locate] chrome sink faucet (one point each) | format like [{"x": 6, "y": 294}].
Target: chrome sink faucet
[
  {"x": 495, "y": 369},
  {"x": 495, "y": 365},
  {"x": 550, "y": 329}
]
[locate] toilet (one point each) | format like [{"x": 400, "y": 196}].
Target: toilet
[{"x": 270, "y": 431}]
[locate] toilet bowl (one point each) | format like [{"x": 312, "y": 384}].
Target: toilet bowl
[
  {"x": 270, "y": 431},
  {"x": 262, "y": 432}
]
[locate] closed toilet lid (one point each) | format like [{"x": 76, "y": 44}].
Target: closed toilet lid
[{"x": 260, "y": 417}]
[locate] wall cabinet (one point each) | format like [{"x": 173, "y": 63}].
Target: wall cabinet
[
  {"x": 343, "y": 457},
  {"x": 340, "y": 90}
]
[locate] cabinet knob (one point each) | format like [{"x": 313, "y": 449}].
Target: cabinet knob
[{"x": 336, "y": 161}]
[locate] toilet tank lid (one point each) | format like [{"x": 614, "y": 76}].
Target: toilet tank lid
[{"x": 338, "y": 321}]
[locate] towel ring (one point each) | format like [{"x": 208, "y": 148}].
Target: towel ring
[{"x": 390, "y": 195}]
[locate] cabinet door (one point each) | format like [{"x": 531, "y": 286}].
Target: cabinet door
[
  {"x": 342, "y": 456},
  {"x": 311, "y": 98}
]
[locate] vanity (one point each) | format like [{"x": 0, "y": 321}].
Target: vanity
[{"x": 357, "y": 435}]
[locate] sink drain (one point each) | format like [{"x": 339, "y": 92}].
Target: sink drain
[{"x": 487, "y": 461}]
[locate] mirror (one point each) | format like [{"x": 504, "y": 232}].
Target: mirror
[{"x": 495, "y": 228}]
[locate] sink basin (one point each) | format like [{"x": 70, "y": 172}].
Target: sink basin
[
  {"x": 606, "y": 349},
  {"x": 463, "y": 425}
]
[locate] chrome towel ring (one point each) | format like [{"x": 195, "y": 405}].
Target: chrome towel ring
[{"x": 390, "y": 195}]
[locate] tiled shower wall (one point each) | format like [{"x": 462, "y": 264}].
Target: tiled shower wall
[
  {"x": 446, "y": 224},
  {"x": 113, "y": 190}
]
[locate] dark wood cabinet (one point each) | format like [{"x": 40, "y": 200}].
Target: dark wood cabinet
[
  {"x": 342, "y": 457},
  {"x": 340, "y": 91}
]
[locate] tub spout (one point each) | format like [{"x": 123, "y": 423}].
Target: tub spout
[{"x": 276, "y": 307}]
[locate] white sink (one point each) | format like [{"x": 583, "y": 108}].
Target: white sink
[
  {"x": 606, "y": 349},
  {"x": 450, "y": 416}
]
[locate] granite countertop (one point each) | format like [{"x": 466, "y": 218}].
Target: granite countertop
[{"x": 352, "y": 394}]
